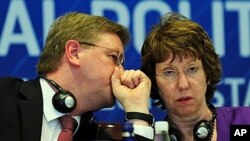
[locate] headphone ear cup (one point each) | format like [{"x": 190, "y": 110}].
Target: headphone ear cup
[
  {"x": 64, "y": 101},
  {"x": 202, "y": 130}
]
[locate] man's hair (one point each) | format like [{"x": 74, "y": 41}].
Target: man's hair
[
  {"x": 178, "y": 36},
  {"x": 79, "y": 27}
]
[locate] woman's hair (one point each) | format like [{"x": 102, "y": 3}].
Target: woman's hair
[
  {"x": 178, "y": 36},
  {"x": 79, "y": 27}
]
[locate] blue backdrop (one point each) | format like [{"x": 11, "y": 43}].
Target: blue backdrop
[{"x": 24, "y": 26}]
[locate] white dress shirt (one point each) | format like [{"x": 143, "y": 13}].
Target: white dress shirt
[{"x": 51, "y": 126}]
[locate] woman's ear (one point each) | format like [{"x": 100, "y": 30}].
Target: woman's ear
[{"x": 72, "y": 49}]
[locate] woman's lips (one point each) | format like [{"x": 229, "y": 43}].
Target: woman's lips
[{"x": 184, "y": 100}]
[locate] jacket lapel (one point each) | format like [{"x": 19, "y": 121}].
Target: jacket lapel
[{"x": 31, "y": 110}]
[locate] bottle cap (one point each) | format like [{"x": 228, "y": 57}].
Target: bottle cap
[{"x": 161, "y": 126}]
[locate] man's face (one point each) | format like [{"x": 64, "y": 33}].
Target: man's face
[{"x": 98, "y": 61}]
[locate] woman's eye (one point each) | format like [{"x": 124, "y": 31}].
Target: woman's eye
[
  {"x": 192, "y": 69},
  {"x": 169, "y": 72}
]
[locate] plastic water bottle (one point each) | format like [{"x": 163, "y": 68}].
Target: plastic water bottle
[
  {"x": 128, "y": 132},
  {"x": 161, "y": 131}
]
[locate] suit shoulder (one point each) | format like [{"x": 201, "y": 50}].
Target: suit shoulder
[
  {"x": 9, "y": 85},
  {"x": 236, "y": 115},
  {"x": 9, "y": 81}
]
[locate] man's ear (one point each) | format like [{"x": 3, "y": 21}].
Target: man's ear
[{"x": 72, "y": 48}]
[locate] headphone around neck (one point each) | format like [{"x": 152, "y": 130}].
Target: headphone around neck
[
  {"x": 202, "y": 131},
  {"x": 63, "y": 101}
]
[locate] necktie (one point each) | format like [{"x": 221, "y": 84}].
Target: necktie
[{"x": 69, "y": 125}]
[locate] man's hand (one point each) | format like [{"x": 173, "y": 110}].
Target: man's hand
[{"x": 132, "y": 89}]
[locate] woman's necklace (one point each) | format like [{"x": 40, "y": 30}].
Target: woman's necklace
[
  {"x": 212, "y": 121},
  {"x": 203, "y": 130}
]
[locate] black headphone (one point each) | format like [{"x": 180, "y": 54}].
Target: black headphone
[
  {"x": 63, "y": 101},
  {"x": 202, "y": 131}
]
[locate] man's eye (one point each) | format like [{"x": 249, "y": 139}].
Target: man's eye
[{"x": 114, "y": 57}]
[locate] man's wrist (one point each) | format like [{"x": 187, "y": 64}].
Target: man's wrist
[{"x": 140, "y": 116}]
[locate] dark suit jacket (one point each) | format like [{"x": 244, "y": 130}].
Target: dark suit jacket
[{"x": 21, "y": 114}]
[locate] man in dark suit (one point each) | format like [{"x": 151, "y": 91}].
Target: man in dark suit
[{"x": 80, "y": 71}]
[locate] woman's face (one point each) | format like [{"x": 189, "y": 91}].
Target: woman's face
[{"x": 182, "y": 85}]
